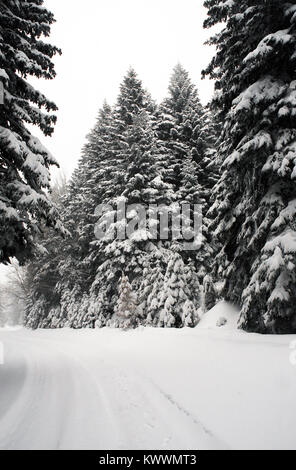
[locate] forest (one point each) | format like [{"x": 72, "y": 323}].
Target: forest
[{"x": 235, "y": 159}]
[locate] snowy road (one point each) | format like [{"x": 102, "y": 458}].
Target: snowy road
[{"x": 148, "y": 389}]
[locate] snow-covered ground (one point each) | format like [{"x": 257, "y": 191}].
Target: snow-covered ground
[{"x": 207, "y": 388}]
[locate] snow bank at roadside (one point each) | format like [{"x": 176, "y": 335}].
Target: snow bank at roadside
[{"x": 223, "y": 315}]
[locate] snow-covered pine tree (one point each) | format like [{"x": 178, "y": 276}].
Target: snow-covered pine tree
[
  {"x": 178, "y": 309},
  {"x": 189, "y": 135},
  {"x": 151, "y": 288},
  {"x": 126, "y": 309},
  {"x": 65, "y": 266},
  {"x": 137, "y": 179},
  {"x": 193, "y": 283},
  {"x": 132, "y": 100},
  {"x": 255, "y": 203},
  {"x": 143, "y": 186},
  {"x": 155, "y": 299},
  {"x": 87, "y": 189},
  {"x": 185, "y": 127},
  {"x": 24, "y": 162}
]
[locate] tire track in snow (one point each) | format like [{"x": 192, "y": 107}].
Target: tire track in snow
[
  {"x": 187, "y": 413},
  {"x": 31, "y": 420}
]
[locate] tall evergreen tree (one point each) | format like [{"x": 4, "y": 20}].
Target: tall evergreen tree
[
  {"x": 142, "y": 185},
  {"x": 178, "y": 308},
  {"x": 255, "y": 199},
  {"x": 189, "y": 135},
  {"x": 88, "y": 187},
  {"x": 65, "y": 267},
  {"x": 24, "y": 162}
]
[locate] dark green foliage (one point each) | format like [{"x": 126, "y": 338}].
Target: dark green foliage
[
  {"x": 255, "y": 198},
  {"x": 24, "y": 162}
]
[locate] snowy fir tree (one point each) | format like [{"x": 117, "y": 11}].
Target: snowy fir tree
[
  {"x": 178, "y": 309},
  {"x": 65, "y": 262},
  {"x": 189, "y": 134},
  {"x": 255, "y": 198},
  {"x": 126, "y": 309},
  {"x": 151, "y": 288},
  {"x": 187, "y": 130},
  {"x": 24, "y": 162},
  {"x": 86, "y": 190}
]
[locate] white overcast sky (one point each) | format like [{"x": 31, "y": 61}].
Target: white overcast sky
[{"x": 100, "y": 39}]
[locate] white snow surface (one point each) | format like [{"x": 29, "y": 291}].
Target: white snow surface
[
  {"x": 222, "y": 310},
  {"x": 202, "y": 388}
]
